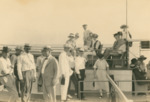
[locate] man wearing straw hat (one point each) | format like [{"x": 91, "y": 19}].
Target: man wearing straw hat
[
  {"x": 26, "y": 72},
  {"x": 14, "y": 57},
  {"x": 6, "y": 76},
  {"x": 49, "y": 71},
  {"x": 65, "y": 71}
]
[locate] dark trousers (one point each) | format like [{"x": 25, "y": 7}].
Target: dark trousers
[
  {"x": 82, "y": 74},
  {"x": 74, "y": 79},
  {"x": 26, "y": 85}
]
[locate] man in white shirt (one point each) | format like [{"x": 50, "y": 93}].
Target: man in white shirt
[
  {"x": 65, "y": 70},
  {"x": 6, "y": 76},
  {"x": 49, "y": 71},
  {"x": 14, "y": 63},
  {"x": 87, "y": 36},
  {"x": 80, "y": 70},
  {"x": 26, "y": 72}
]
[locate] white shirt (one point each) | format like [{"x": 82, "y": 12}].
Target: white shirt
[
  {"x": 44, "y": 64},
  {"x": 79, "y": 64},
  {"x": 25, "y": 63},
  {"x": 64, "y": 64},
  {"x": 5, "y": 66},
  {"x": 71, "y": 61},
  {"x": 125, "y": 35}
]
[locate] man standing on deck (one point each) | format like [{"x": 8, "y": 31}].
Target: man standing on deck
[
  {"x": 6, "y": 76},
  {"x": 65, "y": 70},
  {"x": 87, "y": 36},
  {"x": 49, "y": 71},
  {"x": 26, "y": 72},
  {"x": 14, "y": 58}
]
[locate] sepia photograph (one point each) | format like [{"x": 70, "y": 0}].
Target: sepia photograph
[{"x": 74, "y": 51}]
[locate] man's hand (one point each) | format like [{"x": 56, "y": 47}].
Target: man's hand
[
  {"x": 79, "y": 76},
  {"x": 34, "y": 79}
]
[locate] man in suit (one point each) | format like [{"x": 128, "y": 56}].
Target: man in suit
[{"x": 49, "y": 71}]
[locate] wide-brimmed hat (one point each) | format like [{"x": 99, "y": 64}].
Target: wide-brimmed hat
[
  {"x": 142, "y": 57},
  {"x": 118, "y": 34},
  {"x": 27, "y": 45},
  {"x": 95, "y": 36},
  {"x": 19, "y": 48},
  {"x": 84, "y": 25},
  {"x": 123, "y": 26},
  {"x": 71, "y": 35},
  {"x": 47, "y": 48},
  {"x": 6, "y": 49}
]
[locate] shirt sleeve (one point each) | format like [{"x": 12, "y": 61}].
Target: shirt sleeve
[
  {"x": 13, "y": 60},
  {"x": 62, "y": 63},
  {"x": 95, "y": 65},
  {"x": 34, "y": 67},
  {"x": 77, "y": 64},
  {"x": 19, "y": 67}
]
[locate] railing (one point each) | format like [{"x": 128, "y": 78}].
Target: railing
[{"x": 113, "y": 84}]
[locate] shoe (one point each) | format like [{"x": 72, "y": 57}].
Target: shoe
[
  {"x": 69, "y": 96},
  {"x": 68, "y": 99}
]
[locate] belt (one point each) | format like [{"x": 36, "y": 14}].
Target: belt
[{"x": 4, "y": 75}]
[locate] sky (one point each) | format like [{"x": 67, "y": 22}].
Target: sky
[{"x": 51, "y": 21}]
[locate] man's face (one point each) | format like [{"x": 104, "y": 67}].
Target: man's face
[
  {"x": 116, "y": 37},
  {"x": 6, "y": 55},
  {"x": 46, "y": 53},
  {"x": 84, "y": 27},
  {"x": 18, "y": 52},
  {"x": 27, "y": 49}
]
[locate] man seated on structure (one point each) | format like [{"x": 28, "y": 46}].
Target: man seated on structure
[
  {"x": 96, "y": 44},
  {"x": 119, "y": 46}
]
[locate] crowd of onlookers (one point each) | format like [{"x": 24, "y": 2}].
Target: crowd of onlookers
[{"x": 19, "y": 72}]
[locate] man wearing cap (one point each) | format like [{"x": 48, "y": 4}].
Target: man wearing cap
[
  {"x": 26, "y": 72},
  {"x": 118, "y": 46},
  {"x": 96, "y": 44},
  {"x": 49, "y": 71},
  {"x": 6, "y": 76},
  {"x": 87, "y": 36},
  {"x": 80, "y": 70},
  {"x": 65, "y": 70},
  {"x": 14, "y": 57}
]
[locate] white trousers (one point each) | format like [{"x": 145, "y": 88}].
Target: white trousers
[{"x": 64, "y": 88}]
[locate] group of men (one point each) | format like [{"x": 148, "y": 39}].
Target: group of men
[{"x": 22, "y": 65}]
